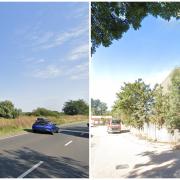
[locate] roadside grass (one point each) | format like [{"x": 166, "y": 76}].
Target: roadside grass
[{"x": 9, "y": 127}]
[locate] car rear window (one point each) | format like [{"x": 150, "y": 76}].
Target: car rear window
[{"x": 42, "y": 122}]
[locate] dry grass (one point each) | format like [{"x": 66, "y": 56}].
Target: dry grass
[{"x": 14, "y": 126}]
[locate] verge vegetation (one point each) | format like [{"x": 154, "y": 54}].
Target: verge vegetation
[
  {"x": 138, "y": 104},
  {"x": 13, "y": 120}
]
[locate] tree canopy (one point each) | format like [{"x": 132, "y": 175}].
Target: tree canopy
[
  {"x": 137, "y": 103},
  {"x": 98, "y": 107},
  {"x": 134, "y": 102},
  {"x": 7, "y": 110},
  {"x": 174, "y": 101},
  {"x": 109, "y": 20},
  {"x": 44, "y": 112},
  {"x": 76, "y": 107}
]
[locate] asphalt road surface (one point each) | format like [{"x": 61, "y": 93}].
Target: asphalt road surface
[
  {"x": 126, "y": 156},
  {"x": 36, "y": 155}
]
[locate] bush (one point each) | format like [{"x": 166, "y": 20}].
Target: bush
[
  {"x": 76, "y": 107},
  {"x": 7, "y": 110},
  {"x": 44, "y": 112}
]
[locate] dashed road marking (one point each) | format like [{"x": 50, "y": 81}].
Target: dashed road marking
[
  {"x": 30, "y": 170},
  {"x": 68, "y": 143}
]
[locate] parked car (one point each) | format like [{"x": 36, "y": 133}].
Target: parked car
[
  {"x": 114, "y": 125},
  {"x": 44, "y": 125}
]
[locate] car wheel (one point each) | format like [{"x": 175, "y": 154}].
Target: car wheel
[
  {"x": 57, "y": 131},
  {"x": 52, "y": 133},
  {"x": 34, "y": 131}
]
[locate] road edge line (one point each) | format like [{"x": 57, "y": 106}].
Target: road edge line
[{"x": 13, "y": 136}]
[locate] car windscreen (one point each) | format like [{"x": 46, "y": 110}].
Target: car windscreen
[{"x": 115, "y": 122}]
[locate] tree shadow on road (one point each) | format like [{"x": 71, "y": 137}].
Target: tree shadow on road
[
  {"x": 78, "y": 131},
  {"x": 39, "y": 132},
  {"x": 14, "y": 163},
  {"x": 76, "y": 128},
  {"x": 163, "y": 165}
]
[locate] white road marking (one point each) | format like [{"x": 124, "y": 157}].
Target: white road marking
[
  {"x": 68, "y": 143},
  {"x": 30, "y": 170},
  {"x": 84, "y": 132}
]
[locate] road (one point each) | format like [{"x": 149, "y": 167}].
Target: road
[
  {"x": 126, "y": 156},
  {"x": 35, "y": 155}
]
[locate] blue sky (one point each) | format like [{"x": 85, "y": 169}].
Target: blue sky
[
  {"x": 149, "y": 53},
  {"x": 44, "y": 54}
]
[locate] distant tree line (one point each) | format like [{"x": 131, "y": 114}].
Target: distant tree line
[
  {"x": 7, "y": 110},
  {"x": 98, "y": 107},
  {"x": 43, "y": 112},
  {"x": 137, "y": 104}
]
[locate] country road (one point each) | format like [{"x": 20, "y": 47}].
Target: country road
[
  {"x": 35, "y": 155},
  {"x": 125, "y": 156}
]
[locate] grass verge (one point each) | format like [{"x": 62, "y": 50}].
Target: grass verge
[{"x": 9, "y": 127}]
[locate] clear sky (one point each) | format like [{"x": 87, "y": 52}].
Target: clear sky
[
  {"x": 149, "y": 53},
  {"x": 43, "y": 54}
]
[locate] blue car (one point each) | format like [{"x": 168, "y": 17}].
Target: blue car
[{"x": 44, "y": 125}]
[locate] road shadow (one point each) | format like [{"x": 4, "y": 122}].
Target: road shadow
[
  {"x": 14, "y": 163},
  {"x": 163, "y": 165},
  {"x": 39, "y": 132},
  {"x": 76, "y": 128},
  {"x": 125, "y": 131},
  {"x": 121, "y": 132},
  {"x": 28, "y": 130},
  {"x": 78, "y": 131},
  {"x": 78, "y": 134}
]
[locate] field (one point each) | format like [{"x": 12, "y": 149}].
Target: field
[{"x": 19, "y": 125}]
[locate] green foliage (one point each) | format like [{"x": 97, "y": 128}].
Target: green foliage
[
  {"x": 98, "y": 107},
  {"x": 44, "y": 112},
  {"x": 76, "y": 107},
  {"x": 160, "y": 108},
  {"x": 173, "y": 121},
  {"x": 7, "y": 110},
  {"x": 109, "y": 20},
  {"x": 134, "y": 102}
]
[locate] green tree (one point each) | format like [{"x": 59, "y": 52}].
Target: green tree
[
  {"x": 173, "y": 121},
  {"x": 98, "y": 107},
  {"x": 7, "y": 110},
  {"x": 160, "y": 107},
  {"x": 134, "y": 103},
  {"x": 109, "y": 20},
  {"x": 44, "y": 112},
  {"x": 76, "y": 107}
]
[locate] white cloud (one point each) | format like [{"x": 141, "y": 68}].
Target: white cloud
[
  {"x": 79, "y": 52},
  {"x": 50, "y": 71},
  {"x": 51, "y": 40},
  {"x": 44, "y": 38},
  {"x": 80, "y": 71},
  {"x": 40, "y": 61},
  {"x": 33, "y": 61}
]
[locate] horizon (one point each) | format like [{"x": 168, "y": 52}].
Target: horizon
[{"x": 44, "y": 53}]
